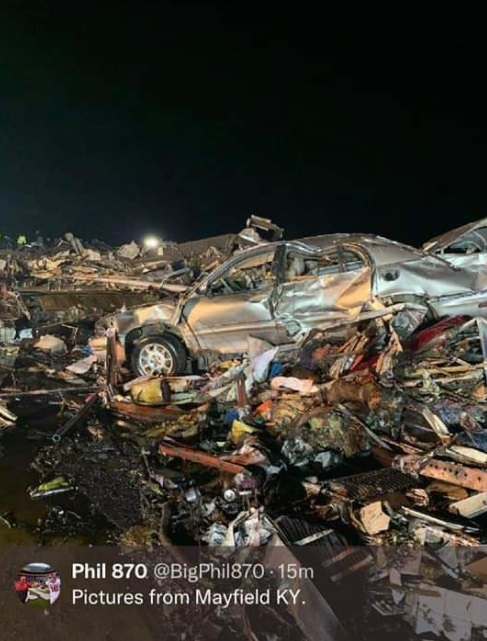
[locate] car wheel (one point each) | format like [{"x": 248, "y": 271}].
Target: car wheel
[{"x": 156, "y": 355}]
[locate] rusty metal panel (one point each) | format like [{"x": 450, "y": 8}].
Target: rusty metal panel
[{"x": 469, "y": 477}]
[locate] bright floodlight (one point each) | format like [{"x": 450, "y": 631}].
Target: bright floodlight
[{"x": 151, "y": 242}]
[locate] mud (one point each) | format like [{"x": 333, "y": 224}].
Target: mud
[{"x": 48, "y": 521}]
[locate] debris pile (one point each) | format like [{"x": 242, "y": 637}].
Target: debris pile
[
  {"x": 273, "y": 434},
  {"x": 381, "y": 435},
  {"x": 371, "y": 431},
  {"x": 433, "y": 593}
]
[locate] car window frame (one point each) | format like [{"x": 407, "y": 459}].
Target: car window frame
[
  {"x": 310, "y": 253},
  {"x": 233, "y": 262}
]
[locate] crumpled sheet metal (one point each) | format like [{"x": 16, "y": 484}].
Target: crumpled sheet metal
[
  {"x": 143, "y": 315},
  {"x": 339, "y": 296},
  {"x": 427, "y": 277},
  {"x": 220, "y": 326},
  {"x": 442, "y": 241}
]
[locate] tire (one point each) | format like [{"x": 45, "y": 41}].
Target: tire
[{"x": 158, "y": 354}]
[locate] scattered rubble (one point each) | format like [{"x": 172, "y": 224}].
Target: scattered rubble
[
  {"x": 372, "y": 431},
  {"x": 220, "y": 443}
]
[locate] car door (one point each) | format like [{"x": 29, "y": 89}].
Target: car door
[
  {"x": 322, "y": 288},
  {"x": 236, "y": 302}
]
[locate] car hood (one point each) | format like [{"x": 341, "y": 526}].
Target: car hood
[{"x": 147, "y": 314}]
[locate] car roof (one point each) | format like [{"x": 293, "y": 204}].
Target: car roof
[
  {"x": 441, "y": 242},
  {"x": 383, "y": 250}
]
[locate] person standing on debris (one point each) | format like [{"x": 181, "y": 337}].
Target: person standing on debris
[
  {"x": 39, "y": 239},
  {"x": 22, "y": 240}
]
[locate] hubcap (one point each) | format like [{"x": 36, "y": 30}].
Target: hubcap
[{"x": 155, "y": 358}]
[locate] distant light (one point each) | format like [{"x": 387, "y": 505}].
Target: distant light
[{"x": 151, "y": 242}]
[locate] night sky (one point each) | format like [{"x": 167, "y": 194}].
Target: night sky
[{"x": 118, "y": 119}]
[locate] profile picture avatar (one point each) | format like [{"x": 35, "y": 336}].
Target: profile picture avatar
[{"x": 38, "y": 585}]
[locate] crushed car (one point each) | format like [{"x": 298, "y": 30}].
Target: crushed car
[{"x": 280, "y": 291}]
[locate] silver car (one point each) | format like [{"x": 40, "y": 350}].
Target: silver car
[{"x": 280, "y": 291}]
